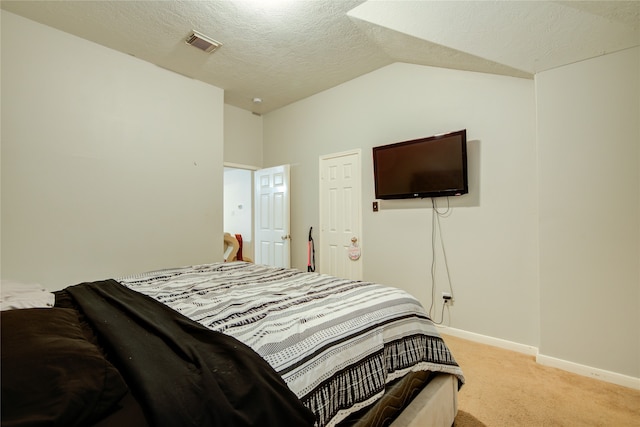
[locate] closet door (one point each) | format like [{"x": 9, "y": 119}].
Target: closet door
[{"x": 340, "y": 215}]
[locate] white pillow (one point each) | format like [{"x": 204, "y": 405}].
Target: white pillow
[{"x": 15, "y": 295}]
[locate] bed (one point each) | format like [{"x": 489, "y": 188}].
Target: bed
[{"x": 228, "y": 344}]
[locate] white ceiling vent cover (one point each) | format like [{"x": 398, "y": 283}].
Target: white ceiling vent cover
[{"x": 202, "y": 42}]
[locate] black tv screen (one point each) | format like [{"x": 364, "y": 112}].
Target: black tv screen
[{"x": 427, "y": 167}]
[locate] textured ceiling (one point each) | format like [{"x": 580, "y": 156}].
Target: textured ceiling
[{"x": 286, "y": 50}]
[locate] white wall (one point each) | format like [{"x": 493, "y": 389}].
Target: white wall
[
  {"x": 491, "y": 238},
  {"x": 242, "y": 137},
  {"x": 589, "y": 147},
  {"x": 110, "y": 165}
]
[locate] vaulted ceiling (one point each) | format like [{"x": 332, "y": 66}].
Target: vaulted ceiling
[{"x": 282, "y": 51}]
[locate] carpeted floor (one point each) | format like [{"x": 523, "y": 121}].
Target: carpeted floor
[{"x": 506, "y": 388}]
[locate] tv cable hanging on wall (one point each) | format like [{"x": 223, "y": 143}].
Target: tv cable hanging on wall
[{"x": 436, "y": 229}]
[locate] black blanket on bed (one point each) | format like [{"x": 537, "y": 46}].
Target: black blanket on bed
[{"x": 182, "y": 373}]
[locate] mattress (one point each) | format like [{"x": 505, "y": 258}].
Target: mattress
[{"x": 337, "y": 343}]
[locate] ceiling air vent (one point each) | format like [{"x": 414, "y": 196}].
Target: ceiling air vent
[{"x": 202, "y": 42}]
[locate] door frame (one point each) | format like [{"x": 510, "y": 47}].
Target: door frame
[{"x": 253, "y": 170}]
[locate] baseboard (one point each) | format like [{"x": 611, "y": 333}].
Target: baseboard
[
  {"x": 495, "y": 342},
  {"x": 576, "y": 368},
  {"x": 588, "y": 371}
]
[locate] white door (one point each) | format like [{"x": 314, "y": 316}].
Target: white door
[
  {"x": 340, "y": 214},
  {"x": 272, "y": 234}
]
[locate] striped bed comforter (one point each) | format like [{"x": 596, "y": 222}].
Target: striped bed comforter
[{"x": 335, "y": 342}]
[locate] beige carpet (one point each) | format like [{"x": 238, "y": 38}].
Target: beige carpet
[{"x": 506, "y": 388}]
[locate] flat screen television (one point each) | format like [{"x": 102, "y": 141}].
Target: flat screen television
[{"x": 435, "y": 166}]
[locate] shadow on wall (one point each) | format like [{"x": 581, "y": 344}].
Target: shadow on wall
[{"x": 471, "y": 199}]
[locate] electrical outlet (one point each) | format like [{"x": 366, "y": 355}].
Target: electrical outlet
[{"x": 447, "y": 298}]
